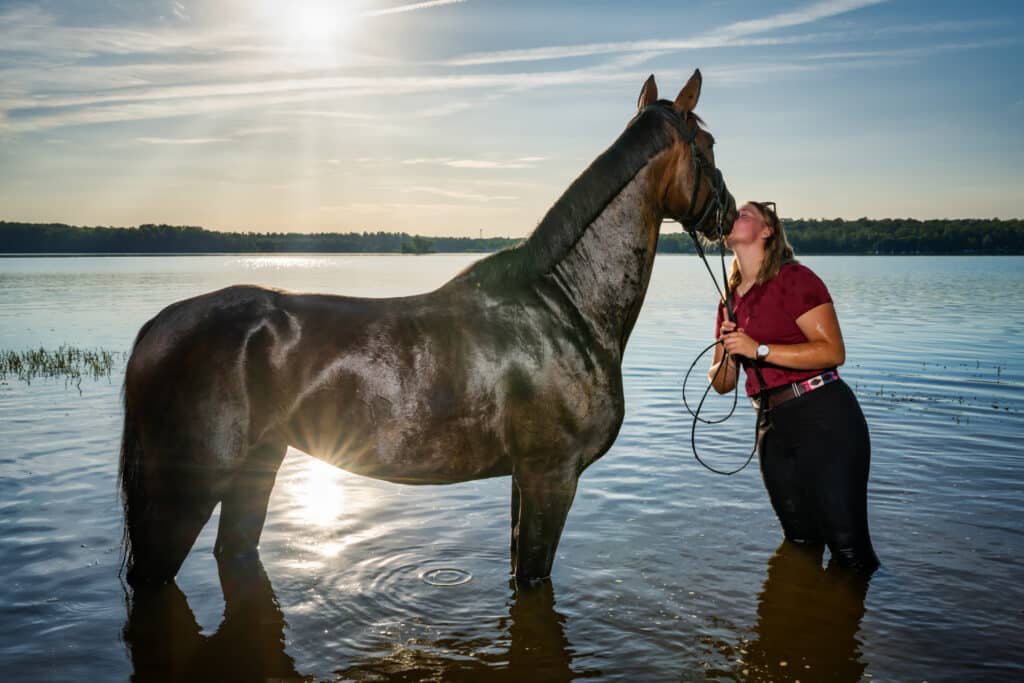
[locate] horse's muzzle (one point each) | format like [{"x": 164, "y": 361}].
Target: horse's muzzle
[
  {"x": 729, "y": 215},
  {"x": 717, "y": 224}
]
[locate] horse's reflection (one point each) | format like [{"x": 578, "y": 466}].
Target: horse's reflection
[
  {"x": 537, "y": 650},
  {"x": 807, "y": 620},
  {"x": 165, "y": 641}
]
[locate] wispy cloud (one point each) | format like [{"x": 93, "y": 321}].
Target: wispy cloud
[
  {"x": 913, "y": 52},
  {"x": 456, "y": 194},
  {"x": 410, "y": 8},
  {"x": 423, "y": 160},
  {"x": 181, "y": 141},
  {"x": 592, "y": 49},
  {"x": 939, "y": 27},
  {"x": 797, "y": 17},
  {"x": 486, "y": 164},
  {"x": 179, "y": 12},
  {"x": 482, "y": 164},
  {"x": 175, "y": 72},
  {"x": 728, "y": 35}
]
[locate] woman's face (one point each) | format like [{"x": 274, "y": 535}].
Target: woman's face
[{"x": 749, "y": 227}]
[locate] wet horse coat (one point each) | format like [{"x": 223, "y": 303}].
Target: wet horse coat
[{"x": 511, "y": 368}]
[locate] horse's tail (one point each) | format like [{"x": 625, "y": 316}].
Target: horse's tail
[{"x": 129, "y": 474}]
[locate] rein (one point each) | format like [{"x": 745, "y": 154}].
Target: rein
[
  {"x": 694, "y": 219},
  {"x": 762, "y": 401}
]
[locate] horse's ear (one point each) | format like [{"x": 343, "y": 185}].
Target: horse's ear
[
  {"x": 686, "y": 101},
  {"x": 648, "y": 93}
]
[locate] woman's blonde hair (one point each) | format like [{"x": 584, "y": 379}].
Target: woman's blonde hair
[{"x": 777, "y": 249}]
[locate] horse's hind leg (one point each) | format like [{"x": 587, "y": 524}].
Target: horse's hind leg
[
  {"x": 163, "y": 527},
  {"x": 541, "y": 499},
  {"x": 244, "y": 504}
]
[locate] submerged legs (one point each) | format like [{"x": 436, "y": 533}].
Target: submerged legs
[
  {"x": 540, "y": 503},
  {"x": 162, "y": 528},
  {"x": 244, "y": 506},
  {"x": 166, "y": 516}
]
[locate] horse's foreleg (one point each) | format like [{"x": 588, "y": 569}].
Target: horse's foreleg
[
  {"x": 515, "y": 524},
  {"x": 541, "y": 499},
  {"x": 244, "y": 505}
]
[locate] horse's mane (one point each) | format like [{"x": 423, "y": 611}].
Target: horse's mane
[{"x": 581, "y": 204}]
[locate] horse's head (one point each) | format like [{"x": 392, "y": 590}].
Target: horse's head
[{"x": 692, "y": 189}]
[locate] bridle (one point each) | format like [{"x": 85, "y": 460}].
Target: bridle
[
  {"x": 715, "y": 205},
  {"x": 694, "y": 220}
]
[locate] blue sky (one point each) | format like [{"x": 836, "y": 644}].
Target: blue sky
[{"x": 470, "y": 117}]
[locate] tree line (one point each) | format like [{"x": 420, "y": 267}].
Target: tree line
[{"x": 819, "y": 236}]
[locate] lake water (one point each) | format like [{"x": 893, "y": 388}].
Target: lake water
[{"x": 665, "y": 571}]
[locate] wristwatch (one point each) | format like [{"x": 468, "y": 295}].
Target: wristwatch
[{"x": 762, "y": 351}]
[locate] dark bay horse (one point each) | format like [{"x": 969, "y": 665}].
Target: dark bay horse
[{"x": 511, "y": 368}]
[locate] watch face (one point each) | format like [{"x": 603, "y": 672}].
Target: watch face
[{"x": 762, "y": 350}]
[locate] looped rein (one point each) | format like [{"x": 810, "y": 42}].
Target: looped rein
[{"x": 693, "y": 220}]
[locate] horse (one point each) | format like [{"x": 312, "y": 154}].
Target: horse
[{"x": 513, "y": 367}]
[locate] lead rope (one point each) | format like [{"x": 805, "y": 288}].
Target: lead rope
[{"x": 762, "y": 394}]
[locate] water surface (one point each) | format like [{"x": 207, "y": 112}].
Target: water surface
[{"x": 665, "y": 570}]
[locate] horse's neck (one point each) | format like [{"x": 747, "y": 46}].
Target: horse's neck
[{"x": 606, "y": 272}]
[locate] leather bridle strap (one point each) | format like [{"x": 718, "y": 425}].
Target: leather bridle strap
[{"x": 716, "y": 198}]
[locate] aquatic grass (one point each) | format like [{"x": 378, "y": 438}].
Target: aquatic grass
[{"x": 68, "y": 362}]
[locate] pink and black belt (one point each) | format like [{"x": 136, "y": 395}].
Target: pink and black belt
[{"x": 779, "y": 395}]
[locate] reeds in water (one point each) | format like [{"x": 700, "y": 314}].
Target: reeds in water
[{"x": 67, "y": 362}]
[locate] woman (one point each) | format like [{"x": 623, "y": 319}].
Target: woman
[{"x": 813, "y": 443}]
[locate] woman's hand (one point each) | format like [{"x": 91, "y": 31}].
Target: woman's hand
[
  {"x": 723, "y": 375},
  {"x": 736, "y": 341}
]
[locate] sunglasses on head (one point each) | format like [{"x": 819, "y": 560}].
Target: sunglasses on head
[{"x": 765, "y": 205}]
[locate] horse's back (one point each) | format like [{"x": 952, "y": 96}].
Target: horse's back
[{"x": 198, "y": 318}]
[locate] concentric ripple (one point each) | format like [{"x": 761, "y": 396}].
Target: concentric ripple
[{"x": 446, "y": 576}]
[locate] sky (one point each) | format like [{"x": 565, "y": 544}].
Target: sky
[{"x": 471, "y": 117}]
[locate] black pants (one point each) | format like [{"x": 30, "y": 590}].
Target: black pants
[{"x": 815, "y": 453}]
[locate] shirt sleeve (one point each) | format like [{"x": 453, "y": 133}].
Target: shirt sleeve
[{"x": 804, "y": 291}]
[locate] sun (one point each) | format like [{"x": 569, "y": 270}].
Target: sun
[
  {"x": 315, "y": 23},
  {"x": 314, "y": 31}
]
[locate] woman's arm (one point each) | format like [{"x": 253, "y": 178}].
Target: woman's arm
[
  {"x": 824, "y": 347},
  {"x": 723, "y": 376}
]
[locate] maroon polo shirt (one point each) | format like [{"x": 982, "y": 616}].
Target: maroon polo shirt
[{"x": 768, "y": 313}]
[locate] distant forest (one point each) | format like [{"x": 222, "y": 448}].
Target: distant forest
[{"x": 836, "y": 236}]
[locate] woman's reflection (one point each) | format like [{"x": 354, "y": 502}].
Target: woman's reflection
[
  {"x": 165, "y": 642},
  {"x": 807, "y": 620}
]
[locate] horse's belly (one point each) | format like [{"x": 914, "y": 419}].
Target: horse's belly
[{"x": 399, "y": 453}]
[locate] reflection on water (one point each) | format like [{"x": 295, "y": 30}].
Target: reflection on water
[
  {"x": 321, "y": 499},
  {"x": 532, "y": 646},
  {"x": 663, "y": 572},
  {"x": 165, "y": 642},
  {"x": 806, "y": 629},
  {"x": 807, "y": 620}
]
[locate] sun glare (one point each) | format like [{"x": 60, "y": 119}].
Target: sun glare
[
  {"x": 319, "y": 492},
  {"x": 314, "y": 31},
  {"x": 314, "y": 23}
]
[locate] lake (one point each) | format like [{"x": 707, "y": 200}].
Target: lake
[{"x": 665, "y": 571}]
